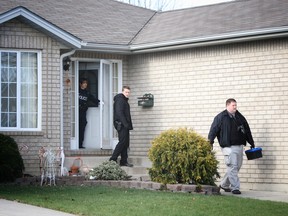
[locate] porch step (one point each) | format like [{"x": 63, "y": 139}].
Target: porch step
[
  {"x": 138, "y": 171},
  {"x": 135, "y": 170},
  {"x": 88, "y": 162}
]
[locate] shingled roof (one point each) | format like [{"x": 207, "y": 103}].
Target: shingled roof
[
  {"x": 108, "y": 22},
  {"x": 236, "y": 18},
  {"x": 95, "y": 21}
]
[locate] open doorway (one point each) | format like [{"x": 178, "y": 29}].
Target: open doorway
[
  {"x": 90, "y": 71},
  {"x": 104, "y": 82}
]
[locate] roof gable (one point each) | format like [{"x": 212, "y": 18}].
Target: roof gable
[
  {"x": 42, "y": 25},
  {"x": 101, "y": 21}
]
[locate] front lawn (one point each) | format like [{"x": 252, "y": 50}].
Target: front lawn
[{"x": 106, "y": 201}]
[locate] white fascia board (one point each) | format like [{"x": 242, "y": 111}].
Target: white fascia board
[
  {"x": 112, "y": 48},
  {"x": 214, "y": 39},
  {"x": 43, "y": 24}
]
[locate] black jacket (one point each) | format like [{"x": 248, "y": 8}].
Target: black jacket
[
  {"x": 84, "y": 98},
  {"x": 221, "y": 128},
  {"x": 121, "y": 113}
]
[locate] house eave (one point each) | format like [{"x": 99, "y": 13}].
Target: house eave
[
  {"x": 106, "y": 48},
  {"x": 220, "y": 39},
  {"x": 211, "y": 40}
]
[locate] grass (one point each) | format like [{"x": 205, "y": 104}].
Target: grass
[{"x": 106, "y": 201}]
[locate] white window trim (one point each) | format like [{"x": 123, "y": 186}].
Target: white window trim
[{"x": 39, "y": 80}]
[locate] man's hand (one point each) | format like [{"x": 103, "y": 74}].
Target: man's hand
[
  {"x": 252, "y": 145},
  {"x": 211, "y": 143}
]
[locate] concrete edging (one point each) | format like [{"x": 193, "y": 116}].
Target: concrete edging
[{"x": 137, "y": 184}]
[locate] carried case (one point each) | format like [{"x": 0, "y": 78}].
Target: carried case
[{"x": 253, "y": 153}]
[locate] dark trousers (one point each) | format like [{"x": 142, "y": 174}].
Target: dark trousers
[
  {"x": 122, "y": 146},
  {"x": 82, "y": 125}
]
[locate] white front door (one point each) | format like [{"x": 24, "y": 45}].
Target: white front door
[
  {"x": 106, "y": 108},
  {"x": 90, "y": 71}
]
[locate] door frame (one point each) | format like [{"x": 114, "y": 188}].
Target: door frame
[{"x": 113, "y": 139}]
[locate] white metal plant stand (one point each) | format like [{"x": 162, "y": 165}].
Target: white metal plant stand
[
  {"x": 48, "y": 171},
  {"x": 50, "y": 162}
]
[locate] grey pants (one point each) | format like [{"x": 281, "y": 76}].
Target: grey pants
[{"x": 233, "y": 157}]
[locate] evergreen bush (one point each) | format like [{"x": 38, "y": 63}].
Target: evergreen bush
[
  {"x": 11, "y": 162},
  {"x": 108, "y": 170},
  {"x": 182, "y": 156}
]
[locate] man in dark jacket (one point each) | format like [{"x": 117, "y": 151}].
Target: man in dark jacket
[
  {"x": 84, "y": 98},
  {"x": 232, "y": 131},
  {"x": 123, "y": 124}
]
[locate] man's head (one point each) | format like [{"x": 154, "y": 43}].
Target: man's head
[
  {"x": 231, "y": 105},
  {"x": 126, "y": 91},
  {"x": 83, "y": 83}
]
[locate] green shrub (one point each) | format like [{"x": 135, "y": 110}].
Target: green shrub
[
  {"x": 182, "y": 156},
  {"x": 108, "y": 170},
  {"x": 11, "y": 162}
]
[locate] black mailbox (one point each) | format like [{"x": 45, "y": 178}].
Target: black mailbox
[{"x": 147, "y": 100}]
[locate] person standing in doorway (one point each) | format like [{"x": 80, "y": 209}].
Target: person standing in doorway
[
  {"x": 84, "y": 97},
  {"x": 232, "y": 131},
  {"x": 123, "y": 124}
]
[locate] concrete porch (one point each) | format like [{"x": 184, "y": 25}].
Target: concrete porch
[{"x": 90, "y": 159}]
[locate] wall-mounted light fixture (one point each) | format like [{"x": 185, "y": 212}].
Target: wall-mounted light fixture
[{"x": 66, "y": 63}]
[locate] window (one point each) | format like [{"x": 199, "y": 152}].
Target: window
[{"x": 20, "y": 90}]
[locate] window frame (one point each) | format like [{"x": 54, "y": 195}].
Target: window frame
[{"x": 18, "y": 98}]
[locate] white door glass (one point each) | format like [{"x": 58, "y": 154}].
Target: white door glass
[
  {"x": 106, "y": 108},
  {"x": 73, "y": 77},
  {"x": 90, "y": 71},
  {"x": 116, "y": 88}
]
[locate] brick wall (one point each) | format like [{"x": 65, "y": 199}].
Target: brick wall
[
  {"x": 17, "y": 35},
  {"x": 191, "y": 86}
]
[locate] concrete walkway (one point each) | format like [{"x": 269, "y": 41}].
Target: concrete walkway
[
  {"x": 261, "y": 195},
  {"x": 12, "y": 208}
]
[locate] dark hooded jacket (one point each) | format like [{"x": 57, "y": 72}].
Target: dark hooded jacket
[
  {"x": 221, "y": 128},
  {"x": 121, "y": 113},
  {"x": 85, "y": 98}
]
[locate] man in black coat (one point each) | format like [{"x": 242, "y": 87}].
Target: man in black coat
[
  {"x": 232, "y": 131},
  {"x": 123, "y": 124}
]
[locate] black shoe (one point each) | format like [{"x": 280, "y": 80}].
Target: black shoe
[
  {"x": 81, "y": 147},
  {"x": 225, "y": 189},
  {"x": 236, "y": 192},
  {"x": 126, "y": 164}
]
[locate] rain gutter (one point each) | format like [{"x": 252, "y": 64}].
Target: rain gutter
[
  {"x": 111, "y": 48},
  {"x": 235, "y": 37},
  {"x": 211, "y": 40}
]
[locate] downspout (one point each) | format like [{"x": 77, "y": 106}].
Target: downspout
[{"x": 62, "y": 155}]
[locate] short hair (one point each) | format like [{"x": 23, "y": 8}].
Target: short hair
[
  {"x": 125, "y": 87},
  {"x": 230, "y": 100},
  {"x": 83, "y": 80}
]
